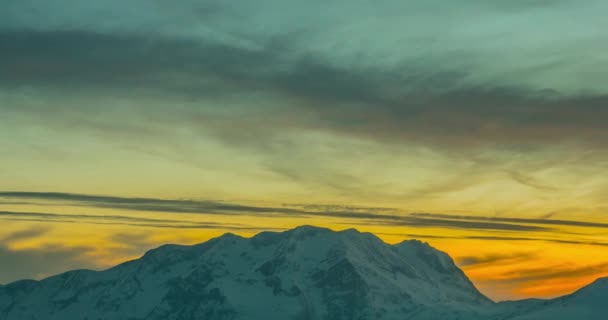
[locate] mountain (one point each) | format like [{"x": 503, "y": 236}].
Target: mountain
[
  {"x": 587, "y": 303},
  {"x": 304, "y": 273}
]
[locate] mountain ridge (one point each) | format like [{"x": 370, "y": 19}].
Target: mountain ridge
[{"x": 303, "y": 273}]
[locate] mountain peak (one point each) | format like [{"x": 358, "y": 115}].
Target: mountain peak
[
  {"x": 424, "y": 251},
  {"x": 309, "y": 228},
  {"x": 414, "y": 243}
]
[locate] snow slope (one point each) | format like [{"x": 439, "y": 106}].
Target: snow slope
[{"x": 304, "y": 273}]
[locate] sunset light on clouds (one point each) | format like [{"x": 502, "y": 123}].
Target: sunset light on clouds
[{"x": 476, "y": 126}]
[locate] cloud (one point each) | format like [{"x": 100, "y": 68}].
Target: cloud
[
  {"x": 41, "y": 262},
  {"x": 281, "y": 78},
  {"x": 132, "y": 77},
  {"x": 556, "y": 272},
  {"x": 499, "y": 238},
  {"x": 414, "y": 235},
  {"x": 548, "y": 215},
  {"x": 529, "y": 181},
  {"x": 340, "y": 208},
  {"x": 458, "y": 224},
  {"x": 24, "y": 234},
  {"x": 469, "y": 261},
  {"x": 229, "y": 209},
  {"x": 573, "y": 241},
  {"x": 542, "y": 221},
  {"x": 38, "y": 262},
  {"x": 148, "y": 204},
  {"x": 407, "y": 102},
  {"x": 120, "y": 220}
]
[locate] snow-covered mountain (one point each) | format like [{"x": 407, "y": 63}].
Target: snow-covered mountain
[{"x": 304, "y": 273}]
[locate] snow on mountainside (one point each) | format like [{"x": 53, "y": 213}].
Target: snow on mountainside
[{"x": 304, "y": 273}]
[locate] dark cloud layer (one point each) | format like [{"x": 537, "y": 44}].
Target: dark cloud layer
[
  {"x": 405, "y": 102},
  {"x": 24, "y": 234},
  {"x": 469, "y": 261}
]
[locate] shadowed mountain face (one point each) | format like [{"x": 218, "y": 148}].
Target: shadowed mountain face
[{"x": 304, "y": 273}]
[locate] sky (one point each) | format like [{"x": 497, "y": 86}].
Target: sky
[{"x": 475, "y": 125}]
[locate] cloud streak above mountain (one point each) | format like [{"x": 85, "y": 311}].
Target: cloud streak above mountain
[
  {"x": 206, "y": 207},
  {"x": 211, "y": 207}
]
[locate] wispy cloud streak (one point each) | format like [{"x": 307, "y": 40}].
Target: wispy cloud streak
[
  {"x": 220, "y": 208},
  {"x": 558, "y": 222}
]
